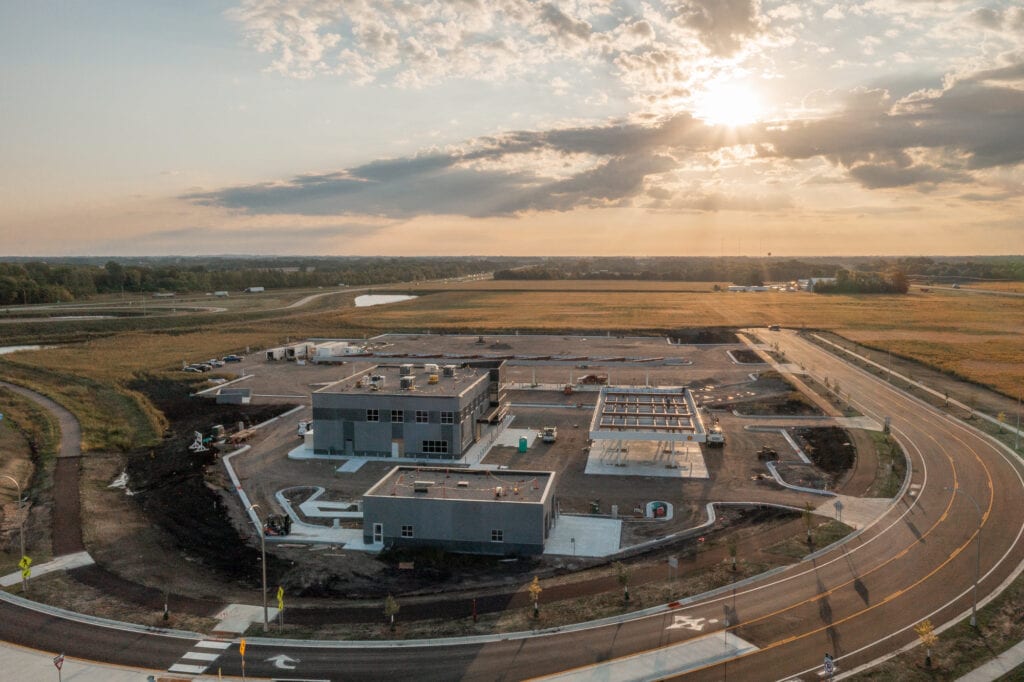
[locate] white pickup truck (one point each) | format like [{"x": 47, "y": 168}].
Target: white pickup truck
[{"x": 549, "y": 434}]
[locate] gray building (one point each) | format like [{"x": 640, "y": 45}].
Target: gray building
[
  {"x": 470, "y": 511},
  {"x": 422, "y": 411}
]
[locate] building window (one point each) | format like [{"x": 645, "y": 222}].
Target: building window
[
  {"x": 372, "y": 416},
  {"x": 435, "y": 447},
  {"x": 406, "y": 531},
  {"x": 421, "y": 416},
  {"x": 397, "y": 416},
  {"x": 447, "y": 417},
  {"x": 497, "y": 536}
]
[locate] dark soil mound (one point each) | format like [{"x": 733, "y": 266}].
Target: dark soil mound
[
  {"x": 831, "y": 449},
  {"x": 706, "y": 335},
  {"x": 168, "y": 479},
  {"x": 747, "y": 356}
]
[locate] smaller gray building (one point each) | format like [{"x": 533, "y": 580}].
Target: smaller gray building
[{"x": 470, "y": 511}]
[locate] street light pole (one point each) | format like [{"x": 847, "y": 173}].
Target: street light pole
[
  {"x": 21, "y": 525},
  {"x": 977, "y": 567},
  {"x": 263, "y": 559}
]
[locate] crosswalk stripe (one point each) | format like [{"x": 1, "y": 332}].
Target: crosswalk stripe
[
  {"x": 183, "y": 668},
  {"x": 212, "y": 644},
  {"x": 200, "y": 656}
]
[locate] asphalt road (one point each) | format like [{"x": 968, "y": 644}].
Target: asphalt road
[{"x": 858, "y": 602}]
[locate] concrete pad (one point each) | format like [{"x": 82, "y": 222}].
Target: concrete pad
[
  {"x": 584, "y": 536},
  {"x": 646, "y": 458},
  {"x": 857, "y": 512},
  {"x": 61, "y": 563},
  {"x": 510, "y": 437},
  {"x": 661, "y": 663},
  {"x": 236, "y": 618},
  {"x": 306, "y": 533},
  {"x": 866, "y": 423},
  {"x": 28, "y": 664}
]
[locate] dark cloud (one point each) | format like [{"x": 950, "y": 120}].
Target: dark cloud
[
  {"x": 564, "y": 25},
  {"x": 722, "y": 25},
  {"x": 878, "y": 176},
  {"x": 977, "y": 123}
]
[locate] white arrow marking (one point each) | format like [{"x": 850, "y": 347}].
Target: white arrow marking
[
  {"x": 680, "y": 622},
  {"x": 282, "y": 661}
]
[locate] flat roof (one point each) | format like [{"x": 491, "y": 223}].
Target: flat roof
[
  {"x": 645, "y": 413},
  {"x": 442, "y": 483},
  {"x": 387, "y": 380}
]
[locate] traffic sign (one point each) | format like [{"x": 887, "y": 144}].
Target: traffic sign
[
  {"x": 280, "y": 597},
  {"x": 58, "y": 661},
  {"x": 25, "y": 566},
  {"x": 241, "y": 648},
  {"x": 830, "y": 666}
]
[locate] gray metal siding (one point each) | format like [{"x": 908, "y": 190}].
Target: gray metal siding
[{"x": 458, "y": 525}]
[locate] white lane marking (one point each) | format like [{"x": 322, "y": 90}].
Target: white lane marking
[{"x": 690, "y": 623}]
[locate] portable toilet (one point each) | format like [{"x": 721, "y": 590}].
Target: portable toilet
[{"x": 523, "y": 443}]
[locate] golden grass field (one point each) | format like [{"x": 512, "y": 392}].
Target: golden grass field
[{"x": 975, "y": 336}]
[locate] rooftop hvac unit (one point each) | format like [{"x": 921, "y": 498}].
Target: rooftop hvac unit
[
  {"x": 449, "y": 370},
  {"x": 408, "y": 383},
  {"x": 462, "y": 484},
  {"x": 498, "y": 492},
  {"x": 421, "y": 486},
  {"x": 405, "y": 370},
  {"x": 433, "y": 379},
  {"x": 430, "y": 368}
]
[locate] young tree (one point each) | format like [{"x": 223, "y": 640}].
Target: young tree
[
  {"x": 535, "y": 590},
  {"x": 390, "y": 609},
  {"x": 926, "y": 633},
  {"x": 622, "y": 573},
  {"x": 733, "y": 548},
  {"x": 808, "y": 519}
]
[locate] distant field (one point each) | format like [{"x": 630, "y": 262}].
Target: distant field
[
  {"x": 1014, "y": 287},
  {"x": 563, "y": 285}
]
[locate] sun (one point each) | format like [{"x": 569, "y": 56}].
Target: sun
[{"x": 729, "y": 104}]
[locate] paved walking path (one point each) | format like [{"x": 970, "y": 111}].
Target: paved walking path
[{"x": 1009, "y": 660}]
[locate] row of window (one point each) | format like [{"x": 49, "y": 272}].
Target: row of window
[
  {"x": 435, "y": 447},
  {"x": 398, "y": 416},
  {"x": 497, "y": 535}
]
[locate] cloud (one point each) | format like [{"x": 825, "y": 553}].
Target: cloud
[{"x": 723, "y": 25}]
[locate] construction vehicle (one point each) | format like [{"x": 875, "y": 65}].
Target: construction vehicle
[
  {"x": 277, "y": 524},
  {"x": 549, "y": 434},
  {"x": 716, "y": 438},
  {"x": 767, "y": 454}
]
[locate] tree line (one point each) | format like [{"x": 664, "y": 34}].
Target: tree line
[{"x": 53, "y": 282}]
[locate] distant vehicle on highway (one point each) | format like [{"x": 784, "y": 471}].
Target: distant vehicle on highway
[
  {"x": 232, "y": 358},
  {"x": 774, "y": 328}
]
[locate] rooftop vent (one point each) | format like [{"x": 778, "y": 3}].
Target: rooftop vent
[
  {"x": 449, "y": 370},
  {"x": 430, "y": 368},
  {"x": 405, "y": 370},
  {"x": 422, "y": 486},
  {"x": 408, "y": 383},
  {"x": 463, "y": 484}
]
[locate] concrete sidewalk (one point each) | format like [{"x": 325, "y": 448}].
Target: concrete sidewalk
[
  {"x": 1009, "y": 660},
  {"x": 28, "y": 664}
]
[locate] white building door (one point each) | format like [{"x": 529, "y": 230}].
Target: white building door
[{"x": 378, "y": 532}]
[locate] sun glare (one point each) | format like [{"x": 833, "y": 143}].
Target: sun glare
[{"x": 729, "y": 104}]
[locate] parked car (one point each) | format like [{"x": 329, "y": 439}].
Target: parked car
[
  {"x": 194, "y": 370},
  {"x": 232, "y": 358},
  {"x": 203, "y": 367},
  {"x": 214, "y": 362}
]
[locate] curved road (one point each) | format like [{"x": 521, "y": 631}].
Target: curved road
[{"x": 858, "y": 601}]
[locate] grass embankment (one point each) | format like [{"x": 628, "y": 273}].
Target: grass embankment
[
  {"x": 29, "y": 439},
  {"x": 892, "y": 466}
]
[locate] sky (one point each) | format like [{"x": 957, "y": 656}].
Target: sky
[{"x": 511, "y": 127}]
